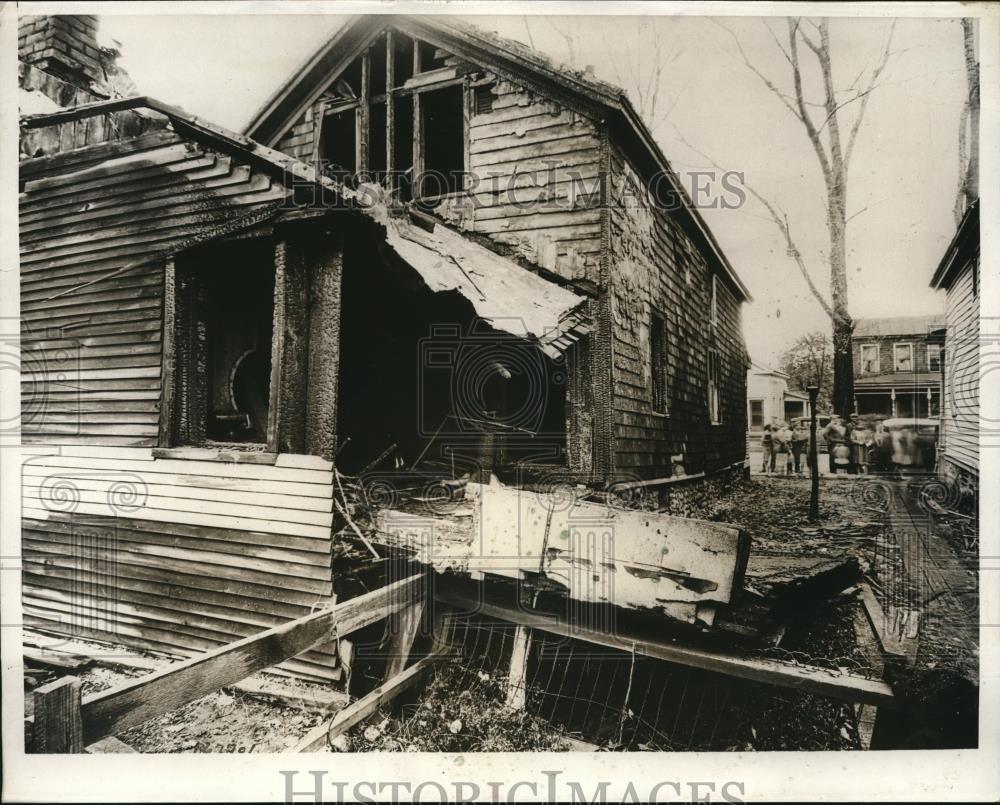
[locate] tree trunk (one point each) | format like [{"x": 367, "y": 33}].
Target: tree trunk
[{"x": 843, "y": 368}]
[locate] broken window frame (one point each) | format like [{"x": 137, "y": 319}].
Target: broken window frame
[
  {"x": 335, "y": 110},
  {"x": 184, "y": 415},
  {"x": 861, "y": 359},
  {"x": 390, "y": 95}
]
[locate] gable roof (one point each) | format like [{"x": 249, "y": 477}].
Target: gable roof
[
  {"x": 898, "y": 325},
  {"x": 960, "y": 249},
  {"x": 509, "y": 59}
]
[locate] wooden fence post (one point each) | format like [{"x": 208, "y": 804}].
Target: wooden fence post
[
  {"x": 517, "y": 681},
  {"x": 58, "y": 725}
]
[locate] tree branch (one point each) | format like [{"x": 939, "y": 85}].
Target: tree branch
[
  {"x": 817, "y": 144},
  {"x": 864, "y": 100},
  {"x": 781, "y": 221},
  {"x": 753, "y": 68}
]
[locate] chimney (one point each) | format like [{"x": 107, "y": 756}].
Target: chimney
[{"x": 64, "y": 46}]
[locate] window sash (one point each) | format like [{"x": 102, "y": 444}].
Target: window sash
[
  {"x": 933, "y": 356},
  {"x": 869, "y": 349},
  {"x": 902, "y": 353}
]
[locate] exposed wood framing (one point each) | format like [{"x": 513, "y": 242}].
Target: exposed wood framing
[
  {"x": 364, "y": 113},
  {"x": 390, "y": 103}
]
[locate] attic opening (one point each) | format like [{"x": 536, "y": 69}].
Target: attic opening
[
  {"x": 223, "y": 313},
  {"x": 443, "y": 141},
  {"x": 339, "y": 143},
  {"x": 443, "y": 391}
]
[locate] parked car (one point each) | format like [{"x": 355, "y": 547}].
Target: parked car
[{"x": 914, "y": 443}]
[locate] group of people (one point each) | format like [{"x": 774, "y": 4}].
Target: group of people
[
  {"x": 852, "y": 447},
  {"x": 784, "y": 448}
]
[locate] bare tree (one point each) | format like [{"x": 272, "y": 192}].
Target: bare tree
[
  {"x": 808, "y": 362},
  {"x": 968, "y": 127},
  {"x": 823, "y": 128}
]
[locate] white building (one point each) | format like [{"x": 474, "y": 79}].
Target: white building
[{"x": 769, "y": 400}]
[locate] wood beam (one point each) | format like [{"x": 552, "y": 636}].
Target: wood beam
[
  {"x": 289, "y": 351},
  {"x": 58, "y": 724},
  {"x": 517, "y": 681},
  {"x": 325, "y": 263},
  {"x": 316, "y": 739},
  {"x": 168, "y": 366},
  {"x": 390, "y": 102},
  {"x": 819, "y": 681}
]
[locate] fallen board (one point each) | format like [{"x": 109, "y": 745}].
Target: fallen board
[{"x": 680, "y": 567}]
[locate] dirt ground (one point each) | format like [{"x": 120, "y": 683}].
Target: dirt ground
[{"x": 226, "y": 721}]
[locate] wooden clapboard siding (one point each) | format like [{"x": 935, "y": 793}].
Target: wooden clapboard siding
[
  {"x": 536, "y": 181},
  {"x": 92, "y": 343},
  {"x": 655, "y": 264},
  {"x": 176, "y": 554},
  {"x": 960, "y": 400},
  {"x": 108, "y": 483}
]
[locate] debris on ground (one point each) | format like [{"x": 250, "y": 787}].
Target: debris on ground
[{"x": 457, "y": 712}]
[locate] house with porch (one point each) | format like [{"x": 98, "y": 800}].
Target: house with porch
[{"x": 897, "y": 365}]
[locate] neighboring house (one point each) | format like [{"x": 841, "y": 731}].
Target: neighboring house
[
  {"x": 958, "y": 276},
  {"x": 769, "y": 400},
  {"x": 897, "y": 366},
  {"x": 207, "y": 322}
]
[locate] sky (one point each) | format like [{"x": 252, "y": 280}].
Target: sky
[{"x": 903, "y": 176}]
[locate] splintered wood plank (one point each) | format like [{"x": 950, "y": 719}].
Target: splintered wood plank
[{"x": 517, "y": 688}]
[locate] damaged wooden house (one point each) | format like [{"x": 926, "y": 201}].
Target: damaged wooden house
[{"x": 443, "y": 299}]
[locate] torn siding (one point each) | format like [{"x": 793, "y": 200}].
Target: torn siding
[
  {"x": 535, "y": 184},
  {"x": 534, "y": 178}
]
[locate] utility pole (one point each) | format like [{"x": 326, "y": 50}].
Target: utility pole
[{"x": 813, "y": 462}]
